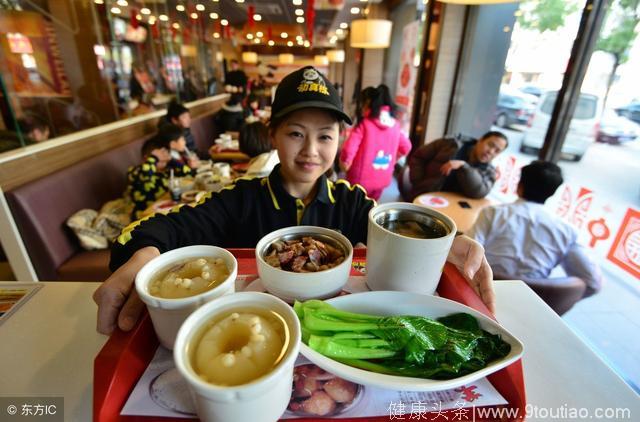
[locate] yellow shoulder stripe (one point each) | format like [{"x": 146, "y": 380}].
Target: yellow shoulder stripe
[{"x": 355, "y": 185}]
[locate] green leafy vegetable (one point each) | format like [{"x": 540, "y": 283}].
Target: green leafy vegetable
[{"x": 412, "y": 346}]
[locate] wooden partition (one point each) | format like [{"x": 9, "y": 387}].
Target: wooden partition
[
  {"x": 23, "y": 165},
  {"x": 34, "y": 162}
]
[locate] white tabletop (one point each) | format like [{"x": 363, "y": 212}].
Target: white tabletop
[
  {"x": 48, "y": 346},
  {"x": 560, "y": 372}
]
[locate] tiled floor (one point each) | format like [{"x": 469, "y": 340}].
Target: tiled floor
[{"x": 608, "y": 322}]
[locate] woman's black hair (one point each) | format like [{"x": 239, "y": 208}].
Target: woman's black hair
[
  {"x": 382, "y": 98},
  {"x": 254, "y": 139},
  {"x": 365, "y": 98}
]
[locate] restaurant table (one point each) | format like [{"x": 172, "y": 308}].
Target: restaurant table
[
  {"x": 49, "y": 344},
  {"x": 452, "y": 204},
  {"x": 229, "y": 155}
]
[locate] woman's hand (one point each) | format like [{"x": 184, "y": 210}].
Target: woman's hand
[
  {"x": 468, "y": 256},
  {"x": 117, "y": 299}
]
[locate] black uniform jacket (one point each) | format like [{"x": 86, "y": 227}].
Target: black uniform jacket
[{"x": 241, "y": 214}]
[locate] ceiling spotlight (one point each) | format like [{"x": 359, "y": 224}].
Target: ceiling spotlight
[
  {"x": 289, "y": 43},
  {"x": 98, "y": 1},
  {"x": 213, "y": 15},
  {"x": 355, "y": 10},
  {"x": 176, "y": 25},
  {"x": 122, "y": 3},
  {"x": 297, "y": 2},
  {"x": 299, "y": 12},
  {"x": 115, "y": 10},
  {"x": 307, "y": 43},
  {"x": 145, "y": 11},
  {"x": 180, "y": 8},
  {"x": 239, "y": 1},
  {"x": 284, "y": 35},
  {"x": 256, "y": 41},
  {"x": 333, "y": 39},
  {"x": 249, "y": 36},
  {"x": 200, "y": 7},
  {"x": 257, "y": 17},
  {"x": 224, "y": 22},
  {"x": 344, "y": 25},
  {"x": 152, "y": 20},
  {"x": 300, "y": 42},
  {"x": 339, "y": 31},
  {"x": 194, "y": 15},
  {"x": 300, "y": 19},
  {"x": 299, "y": 37},
  {"x": 271, "y": 43},
  {"x": 139, "y": 17},
  {"x": 216, "y": 35},
  {"x": 259, "y": 34}
]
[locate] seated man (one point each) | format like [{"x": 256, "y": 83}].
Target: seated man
[
  {"x": 522, "y": 240},
  {"x": 454, "y": 165}
]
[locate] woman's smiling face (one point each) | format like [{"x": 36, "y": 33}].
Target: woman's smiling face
[{"x": 307, "y": 143}]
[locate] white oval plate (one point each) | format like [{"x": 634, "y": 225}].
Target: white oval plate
[{"x": 403, "y": 303}]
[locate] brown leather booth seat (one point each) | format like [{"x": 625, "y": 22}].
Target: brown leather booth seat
[{"x": 40, "y": 208}]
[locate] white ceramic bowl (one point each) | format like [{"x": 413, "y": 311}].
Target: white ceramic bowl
[
  {"x": 262, "y": 400},
  {"x": 291, "y": 286},
  {"x": 168, "y": 314}
]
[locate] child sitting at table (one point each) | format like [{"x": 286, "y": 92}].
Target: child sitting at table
[
  {"x": 305, "y": 126},
  {"x": 147, "y": 182},
  {"x": 180, "y": 116},
  {"x": 254, "y": 141},
  {"x": 183, "y": 162}
]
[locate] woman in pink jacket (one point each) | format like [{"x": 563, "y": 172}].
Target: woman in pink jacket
[{"x": 375, "y": 144}]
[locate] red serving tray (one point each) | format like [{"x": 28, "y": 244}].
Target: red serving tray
[{"x": 125, "y": 356}]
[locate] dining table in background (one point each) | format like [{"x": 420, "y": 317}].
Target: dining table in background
[
  {"x": 233, "y": 155},
  {"x": 462, "y": 210}
]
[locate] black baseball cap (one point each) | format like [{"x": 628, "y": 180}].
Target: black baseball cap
[{"x": 306, "y": 88}]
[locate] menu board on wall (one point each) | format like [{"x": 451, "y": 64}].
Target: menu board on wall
[{"x": 29, "y": 56}]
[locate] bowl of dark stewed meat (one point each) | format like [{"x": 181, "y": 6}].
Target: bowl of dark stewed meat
[{"x": 304, "y": 262}]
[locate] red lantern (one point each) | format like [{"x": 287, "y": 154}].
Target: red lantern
[
  {"x": 250, "y": 12},
  {"x": 133, "y": 13}
]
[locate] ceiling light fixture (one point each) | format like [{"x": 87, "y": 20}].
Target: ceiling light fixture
[
  {"x": 180, "y": 8},
  {"x": 371, "y": 33},
  {"x": 256, "y": 41},
  {"x": 300, "y": 19},
  {"x": 200, "y": 7},
  {"x": 224, "y": 22},
  {"x": 307, "y": 43},
  {"x": 355, "y": 10},
  {"x": 98, "y": 1},
  {"x": 163, "y": 18},
  {"x": 284, "y": 35},
  {"x": 249, "y": 36},
  {"x": 289, "y": 43},
  {"x": 213, "y": 15},
  {"x": 115, "y": 10},
  {"x": 339, "y": 31},
  {"x": 271, "y": 43},
  {"x": 176, "y": 25},
  {"x": 216, "y": 35},
  {"x": 344, "y": 25},
  {"x": 139, "y": 17},
  {"x": 299, "y": 12},
  {"x": 257, "y": 17},
  {"x": 145, "y": 11},
  {"x": 194, "y": 15},
  {"x": 297, "y": 2},
  {"x": 122, "y": 3},
  {"x": 259, "y": 34}
]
